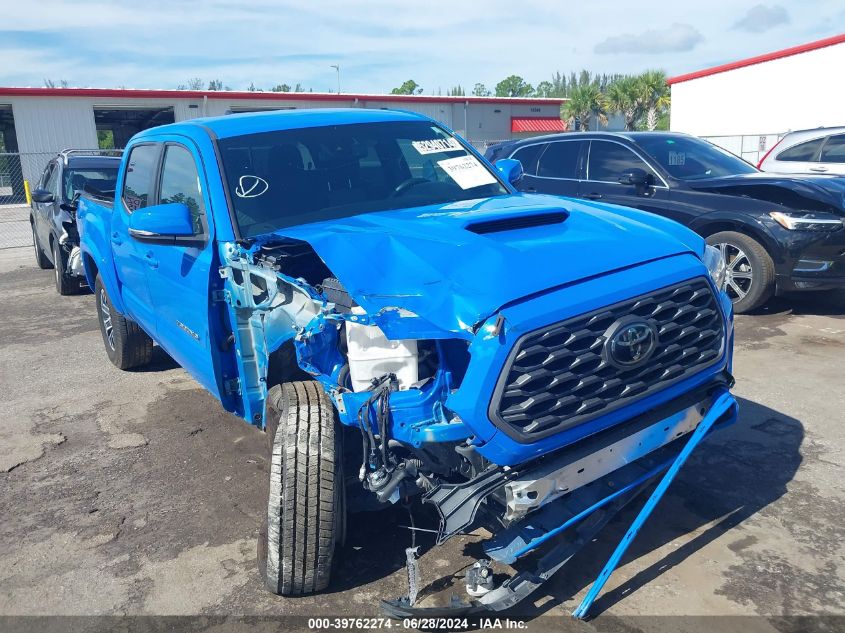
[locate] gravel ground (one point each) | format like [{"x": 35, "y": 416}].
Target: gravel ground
[{"x": 134, "y": 493}]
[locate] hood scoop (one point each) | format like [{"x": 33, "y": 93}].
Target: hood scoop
[{"x": 516, "y": 222}]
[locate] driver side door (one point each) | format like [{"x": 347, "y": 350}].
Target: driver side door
[{"x": 179, "y": 274}]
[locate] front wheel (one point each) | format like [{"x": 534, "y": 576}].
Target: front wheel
[
  {"x": 127, "y": 345},
  {"x": 750, "y": 270},
  {"x": 305, "y": 510},
  {"x": 65, "y": 284}
]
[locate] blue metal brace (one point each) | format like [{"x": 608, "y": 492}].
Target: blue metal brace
[{"x": 721, "y": 406}]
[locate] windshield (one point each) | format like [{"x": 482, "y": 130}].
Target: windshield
[
  {"x": 691, "y": 158},
  {"x": 291, "y": 177},
  {"x": 101, "y": 179}
]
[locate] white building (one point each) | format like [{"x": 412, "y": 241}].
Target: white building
[
  {"x": 745, "y": 106},
  {"x": 35, "y": 123}
]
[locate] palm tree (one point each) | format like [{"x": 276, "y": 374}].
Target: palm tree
[
  {"x": 653, "y": 95},
  {"x": 622, "y": 98},
  {"x": 584, "y": 101}
]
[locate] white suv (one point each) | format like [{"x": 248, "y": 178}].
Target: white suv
[{"x": 819, "y": 151}]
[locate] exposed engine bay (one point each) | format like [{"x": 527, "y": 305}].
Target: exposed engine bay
[{"x": 394, "y": 388}]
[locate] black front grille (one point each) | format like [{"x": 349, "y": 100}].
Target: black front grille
[{"x": 562, "y": 375}]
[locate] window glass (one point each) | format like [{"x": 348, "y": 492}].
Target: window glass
[
  {"x": 688, "y": 158},
  {"x": 289, "y": 177},
  {"x": 560, "y": 160},
  {"x": 608, "y": 161},
  {"x": 52, "y": 181},
  {"x": 802, "y": 152},
  {"x": 180, "y": 183},
  {"x": 139, "y": 176},
  {"x": 834, "y": 150},
  {"x": 48, "y": 170},
  {"x": 101, "y": 179},
  {"x": 528, "y": 157}
]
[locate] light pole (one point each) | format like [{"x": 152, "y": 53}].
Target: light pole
[{"x": 337, "y": 68}]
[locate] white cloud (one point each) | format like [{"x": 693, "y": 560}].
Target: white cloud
[
  {"x": 676, "y": 38},
  {"x": 761, "y": 18},
  {"x": 378, "y": 44}
]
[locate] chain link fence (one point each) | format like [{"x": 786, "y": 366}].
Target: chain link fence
[{"x": 15, "y": 170}]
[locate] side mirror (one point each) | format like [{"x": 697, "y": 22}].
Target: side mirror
[
  {"x": 637, "y": 177},
  {"x": 161, "y": 222},
  {"x": 511, "y": 169},
  {"x": 42, "y": 195}
]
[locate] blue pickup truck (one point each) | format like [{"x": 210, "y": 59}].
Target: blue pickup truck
[{"x": 408, "y": 328}]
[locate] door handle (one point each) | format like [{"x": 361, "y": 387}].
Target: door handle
[
  {"x": 152, "y": 262},
  {"x": 818, "y": 168},
  {"x": 530, "y": 190},
  {"x": 593, "y": 196},
  {"x": 115, "y": 238}
]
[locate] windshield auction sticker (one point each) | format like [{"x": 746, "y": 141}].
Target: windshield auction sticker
[
  {"x": 467, "y": 172},
  {"x": 436, "y": 145}
]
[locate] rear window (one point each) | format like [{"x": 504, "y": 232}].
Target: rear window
[
  {"x": 804, "y": 152},
  {"x": 528, "y": 157},
  {"x": 560, "y": 160},
  {"x": 834, "y": 150}
]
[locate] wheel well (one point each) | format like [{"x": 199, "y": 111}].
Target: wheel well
[
  {"x": 717, "y": 226},
  {"x": 282, "y": 366},
  {"x": 707, "y": 230}
]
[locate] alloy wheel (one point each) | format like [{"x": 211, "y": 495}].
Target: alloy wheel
[
  {"x": 105, "y": 316},
  {"x": 739, "y": 273}
]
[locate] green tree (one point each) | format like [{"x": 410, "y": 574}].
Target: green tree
[
  {"x": 622, "y": 97},
  {"x": 653, "y": 96},
  {"x": 514, "y": 86},
  {"x": 544, "y": 89},
  {"x": 280, "y": 88},
  {"x": 215, "y": 84},
  {"x": 585, "y": 102},
  {"x": 105, "y": 139},
  {"x": 480, "y": 90},
  {"x": 49, "y": 83},
  {"x": 456, "y": 91},
  {"x": 409, "y": 87},
  {"x": 559, "y": 88}
]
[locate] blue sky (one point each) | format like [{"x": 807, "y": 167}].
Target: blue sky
[{"x": 379, "y": 44}]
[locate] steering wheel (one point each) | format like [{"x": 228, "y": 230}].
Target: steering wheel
[{"x": 408, "y": 183}]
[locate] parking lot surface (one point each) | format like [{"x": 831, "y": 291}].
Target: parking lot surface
[{"x": 135, "y": 493}]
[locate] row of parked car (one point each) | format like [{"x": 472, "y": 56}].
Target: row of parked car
[{"x": 778, "y": 232}]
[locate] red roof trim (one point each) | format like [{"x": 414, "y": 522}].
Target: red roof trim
[
  {"x": 786, "y": 52},
  {"x": 261, "y": 96},
  {"x": 537, "y": 124}
]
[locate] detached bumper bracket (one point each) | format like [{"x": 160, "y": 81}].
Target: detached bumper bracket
[{"x": 723, "y": 404}]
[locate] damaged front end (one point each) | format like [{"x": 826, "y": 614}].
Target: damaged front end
[{"x": 415, "y": 389}]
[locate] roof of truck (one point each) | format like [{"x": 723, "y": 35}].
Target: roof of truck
[{"x": 253, "y": 122}]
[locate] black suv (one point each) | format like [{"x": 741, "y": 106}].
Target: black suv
[
  {"x": 778, "y": 233},
  {"x": 53, "y": 217}
]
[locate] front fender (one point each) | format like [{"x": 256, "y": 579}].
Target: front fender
[{"x": 93, "y": 224}]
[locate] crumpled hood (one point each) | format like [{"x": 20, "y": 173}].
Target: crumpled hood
[
  {"x": 828, "y": 190},
  {"x": 426, "y": 261}
]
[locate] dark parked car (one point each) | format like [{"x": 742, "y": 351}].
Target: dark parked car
[
  {"x": 778, "y": 233},
  {"x": 53, "y": 218}
]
